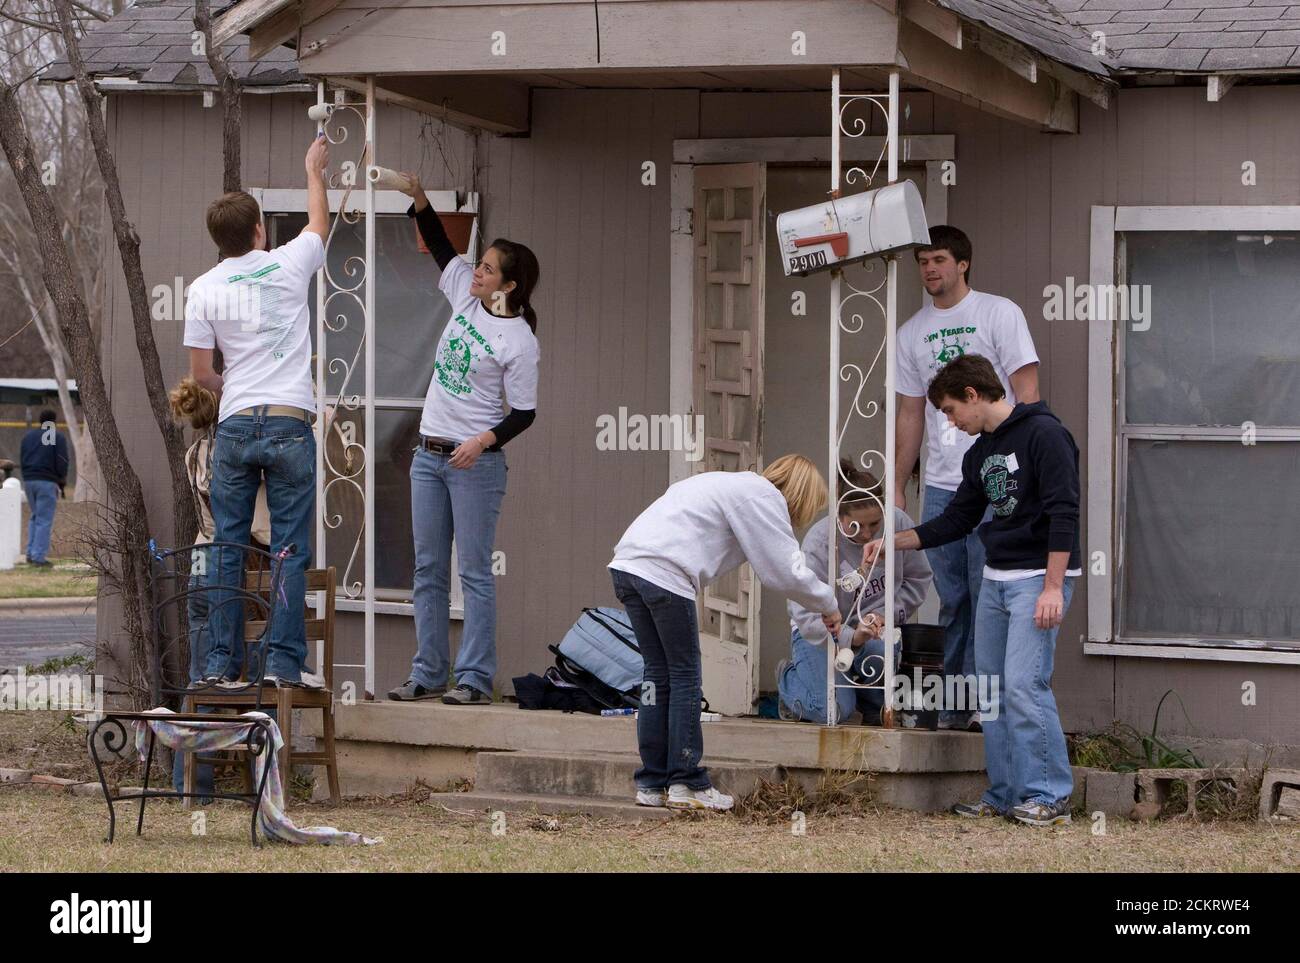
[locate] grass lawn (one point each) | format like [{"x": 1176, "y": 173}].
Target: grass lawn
[
  {"x": 66, "y": 579},
  {"x": 45, "y": 831}
]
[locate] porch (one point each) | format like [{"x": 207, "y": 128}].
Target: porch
[{"x": 521, "y": 760}]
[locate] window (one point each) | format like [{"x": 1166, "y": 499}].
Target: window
[
  {"x": 410, "y": 314},
  {"x": 1206, "y": 380}
]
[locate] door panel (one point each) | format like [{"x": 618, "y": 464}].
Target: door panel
[{"x": 729, "y": 203}]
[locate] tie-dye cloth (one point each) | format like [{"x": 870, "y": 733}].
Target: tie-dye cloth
[{"x": 271, "y": 818}]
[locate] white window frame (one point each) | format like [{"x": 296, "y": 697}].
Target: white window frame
[
  {"x": 276, "y": 200},
  {"x": 1106, "y": 490}
]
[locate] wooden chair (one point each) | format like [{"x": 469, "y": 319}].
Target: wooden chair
[{"x": 286, "y": 698}]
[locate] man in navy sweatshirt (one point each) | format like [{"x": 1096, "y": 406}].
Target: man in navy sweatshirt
[
  {"x": 1025, "y": 465},
  {"x": 45, "y": 472}
]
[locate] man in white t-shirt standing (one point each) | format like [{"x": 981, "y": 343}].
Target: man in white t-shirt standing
[
  {"x": 959, "y": 321},
  {"x": 253, "y": 306}
]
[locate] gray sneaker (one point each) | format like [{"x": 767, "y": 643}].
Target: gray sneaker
[
  {"x": 412, "y": 691},
  {"x": 466, "y": 695},
  {"x": 977, "y": 810},
  {"x": 1041, "y": 814}
]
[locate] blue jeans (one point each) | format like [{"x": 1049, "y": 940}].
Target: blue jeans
[
  {"x": 1024, "y": 747},
  {"x": 958, "y": 571},
  {"x": 803, "y": 683},
  {"x": 668, "y": 728},
  {"x": 43, "y": 497},
  {"x": 464, "y": 503},
  {"x": 282, "y": 449}
]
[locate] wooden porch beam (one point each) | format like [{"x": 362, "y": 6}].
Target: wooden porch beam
[
  {"x": 510, "y": 118},
  {"x": 1218, "y": 86},
  {"x": 972, "y": 77},
  {"x": 944, "y": 24},
  {"x": 283, "y": 26},
  {"x": 243, "y": 16},
  {"x": 1010, "y": 54}
]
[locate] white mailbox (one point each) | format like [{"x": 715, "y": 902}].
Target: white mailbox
[{"x": 848, "y": 229}]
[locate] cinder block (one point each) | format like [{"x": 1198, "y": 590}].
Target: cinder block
[
  {"x": 1112, "y": 793},
  {"x": 1154, "y": 785},
  {"x": 1276, "y": 781},
  {"x": 15, "y": 776},
  {"x": 91, "y": 789}
]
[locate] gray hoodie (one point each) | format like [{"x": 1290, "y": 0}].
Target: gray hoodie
[
  {"x": 704, "y": 526},
  {"x": 912, "y": 577}
]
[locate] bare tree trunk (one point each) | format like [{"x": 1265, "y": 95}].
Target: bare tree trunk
[
  {"x": 231, "y": 115},
  {"x": 131, "y": 547},
  {"x": 185, "y": 524}
]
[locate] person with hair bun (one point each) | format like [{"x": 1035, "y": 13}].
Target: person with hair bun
[
  {"x": 192, "y": 403},
  {"x": 487, "y": 358},
  {"x": 699, "y": 530}
]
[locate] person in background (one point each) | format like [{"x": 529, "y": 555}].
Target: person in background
[
  {"x": 253, "y": 306},
  {"x": 44, "y": 463},
  {"x": 801, "y": 680},
  {"x": 699, "y": 530},
  {"x": 1024, "y": 465},
  {"x": 959, "y": 321},
  {"x": 192, "y": 403},
  {"x": 487, "y": 358}
]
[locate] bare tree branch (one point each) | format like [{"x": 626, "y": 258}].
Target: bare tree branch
[
  {"x": 185, "y": 524},
  {"x": 130, "y": 549},
  {"x": 232, "y": 122}
]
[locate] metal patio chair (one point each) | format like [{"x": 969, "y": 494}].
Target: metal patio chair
[{"x": 187, "y": 594}]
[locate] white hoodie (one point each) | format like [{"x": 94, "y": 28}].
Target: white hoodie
[{"x": 704, "y": 526}]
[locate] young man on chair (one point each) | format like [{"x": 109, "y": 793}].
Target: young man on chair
[{"x": 253, "y": 306}]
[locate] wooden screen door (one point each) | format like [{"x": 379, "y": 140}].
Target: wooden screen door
[{"x": 729, "y": 209}]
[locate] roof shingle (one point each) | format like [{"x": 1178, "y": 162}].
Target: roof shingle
[{"x": 151, "y": 42}]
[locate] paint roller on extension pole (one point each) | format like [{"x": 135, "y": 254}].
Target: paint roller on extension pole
[{"x": 386, "y": 179}]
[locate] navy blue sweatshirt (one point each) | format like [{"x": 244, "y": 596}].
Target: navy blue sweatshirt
[
  {"x": 43, "y": 462},
  {"x": 1028, "y": 470}
]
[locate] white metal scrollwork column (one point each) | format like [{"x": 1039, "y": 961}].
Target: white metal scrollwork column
[
  {"x": 854, "y": 323},
  {"x": 338, "y": 299}
]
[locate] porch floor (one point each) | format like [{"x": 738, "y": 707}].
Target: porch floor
[{"x": 383, "y": 747}]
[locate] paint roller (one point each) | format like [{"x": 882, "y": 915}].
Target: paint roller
[
  {"x": 320, "y": 113},
  {"x": 385, "y": 179}
]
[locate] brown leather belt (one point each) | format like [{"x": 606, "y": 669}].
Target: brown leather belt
[{"x": 282, "y": 411}]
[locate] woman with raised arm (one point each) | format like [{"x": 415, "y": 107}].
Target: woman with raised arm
[{"x": 486, "y": 360}]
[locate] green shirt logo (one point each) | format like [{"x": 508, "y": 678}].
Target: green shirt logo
[
  {"x": 455, "y": 362},
  {"x": 998, "y": 484}
]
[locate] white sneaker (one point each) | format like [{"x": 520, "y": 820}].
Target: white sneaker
[
  {"x": 654, "y": 798},
  {"x": 682, "y": 797}
]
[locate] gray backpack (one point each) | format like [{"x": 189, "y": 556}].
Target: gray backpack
[{"x": 600, "y": 655}]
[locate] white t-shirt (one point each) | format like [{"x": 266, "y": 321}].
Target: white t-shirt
[
  {"x": 254, "y": 308},
  {"x": 979, "y": 323},
  {"x": 482, "y": 363}
]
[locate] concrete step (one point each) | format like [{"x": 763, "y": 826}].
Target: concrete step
[
  {"x": 599, "y": 775},
  {"x": 623, "y": 810}
]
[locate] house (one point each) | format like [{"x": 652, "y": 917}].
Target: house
[{"x": 1080, "y": 143}]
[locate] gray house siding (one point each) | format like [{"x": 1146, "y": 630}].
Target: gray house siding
[{"x": 572, "y": 191}]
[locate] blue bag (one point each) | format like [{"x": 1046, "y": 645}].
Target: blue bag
[{"x": 600, "y": 655}]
